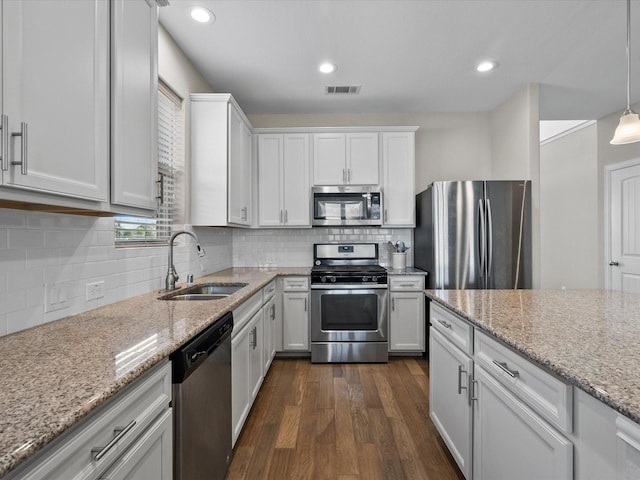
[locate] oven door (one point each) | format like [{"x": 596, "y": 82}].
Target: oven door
[{"x": 349, "y": 313}]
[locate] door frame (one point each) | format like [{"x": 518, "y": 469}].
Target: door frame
[{"x": 608, "y": 172}]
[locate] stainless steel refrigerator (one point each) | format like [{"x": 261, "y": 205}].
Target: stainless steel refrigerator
[{"x": 474, "y": 234}]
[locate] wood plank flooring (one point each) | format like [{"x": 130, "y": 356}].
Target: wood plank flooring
[{"x": 343, "y": 421}]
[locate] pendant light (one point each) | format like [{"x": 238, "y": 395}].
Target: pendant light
[{"x": 628, "y": 130}]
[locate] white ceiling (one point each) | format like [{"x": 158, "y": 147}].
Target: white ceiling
[{"x": 413, "y": 55}]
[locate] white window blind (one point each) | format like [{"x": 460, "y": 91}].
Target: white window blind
[{"x": 136, "y": 230}]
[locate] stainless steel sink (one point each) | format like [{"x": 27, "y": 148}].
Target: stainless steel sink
[{"x": 205, "y": 291}]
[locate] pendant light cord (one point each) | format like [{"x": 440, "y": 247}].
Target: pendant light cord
[{"x": 628, "y": 54}]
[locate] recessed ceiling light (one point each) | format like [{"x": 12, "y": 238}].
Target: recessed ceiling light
[
  {"x": 486, "y": 66},
  {"x": 201, "y": 15},
  {"x": 327, "y": 67}
]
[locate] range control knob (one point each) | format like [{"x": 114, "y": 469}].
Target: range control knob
[
  {"x": 365, "y": 279},
  {"x": 323, "y": 279},
  {"x": 374, "y": 279},
  {"x": 332, "y": 279}
]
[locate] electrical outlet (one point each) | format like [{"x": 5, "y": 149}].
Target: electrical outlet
[
  {"x": 55, "y": 297},
  {"x": 95, "y": 290}
]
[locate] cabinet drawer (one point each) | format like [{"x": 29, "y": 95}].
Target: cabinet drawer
[
  {"x": 549, "y": 396},
  {"x": 131, "y": 411},
  {"x": 245, "y": 312},
  {"x": 268, "y": 292},
  {"x": 459, "y": 331},
  {"x": 412, "y": 283},
  {"x": 296, "y": 284}
]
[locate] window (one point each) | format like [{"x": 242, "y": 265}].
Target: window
[{"x": 131, "y": 230}]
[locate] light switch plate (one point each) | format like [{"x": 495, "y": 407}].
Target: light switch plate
[
  {"x": 95, "y": 290},
  {"x": 55, "y": 297}
]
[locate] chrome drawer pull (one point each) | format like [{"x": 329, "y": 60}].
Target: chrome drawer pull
[
  {"x": 503, "y": 366},
  {"x": 23, "y": 148},
  {"x": 460, "y": 372},
  {"x": 99, "y": 452},
  {"x": 444, "y": 324}
]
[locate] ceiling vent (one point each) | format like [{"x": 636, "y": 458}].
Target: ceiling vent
[{"x": 349, "y": 89}]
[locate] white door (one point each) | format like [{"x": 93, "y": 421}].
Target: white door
[
  {"x": 406, "y": 322},
  {"x": 362, "y": 158},
  {"x": 239, "y": 169},
  {"x": 240, "y": 394},
  {"x": 398, "y": 165},
  {"x": 624, "y": 225},
  {"x": 295, "y": 321},
  {"x": 329, "y": 159},
  {"x": 255, "y": 355}
]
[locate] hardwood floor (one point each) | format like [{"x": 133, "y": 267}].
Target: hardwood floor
[{"x": 343, "y": 421}]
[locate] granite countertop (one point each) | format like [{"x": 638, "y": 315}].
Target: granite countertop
[
  {"x": 591, "y": 338},
  {"x": 55, "y": 374},
  {"x": 406, "y": 271}
]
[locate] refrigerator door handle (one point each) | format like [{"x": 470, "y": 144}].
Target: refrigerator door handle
[
  {"x": 489, "y": 238},
  {"x": 482, "y": 239}
]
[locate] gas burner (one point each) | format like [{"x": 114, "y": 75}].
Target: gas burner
[{"x": 347, "y": 264}]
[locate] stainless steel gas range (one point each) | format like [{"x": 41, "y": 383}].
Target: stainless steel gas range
[{"x": 349, "y": 319}]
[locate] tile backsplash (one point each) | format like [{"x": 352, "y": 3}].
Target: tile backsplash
[
  {"x": 50, "y": 258},
  {"x": 294, "y": 247},
  {"x": 47, "y": 260}
]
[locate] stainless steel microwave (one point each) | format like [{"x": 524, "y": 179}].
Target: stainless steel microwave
[{"x": 340, "y": 206}]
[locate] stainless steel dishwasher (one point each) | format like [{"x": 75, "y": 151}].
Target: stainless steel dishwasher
[{"x": 202, "y": 404}]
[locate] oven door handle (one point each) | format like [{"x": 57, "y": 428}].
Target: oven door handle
[{"x": 345, "y": 286}]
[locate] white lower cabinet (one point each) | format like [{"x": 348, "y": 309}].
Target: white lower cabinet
[
  {"x": 295, "y": 314},
  {"x": 252, "y": 350},
  {"x": 449, "y": 400},
  {"x": 406, "y": 313},
  {"x": 511, "y": 441},
  {"x": 128, "y": 437},
  {"x": 501, "y": 416}
]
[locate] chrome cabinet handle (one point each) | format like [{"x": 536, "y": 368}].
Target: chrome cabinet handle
[
  {"x": 444, "y": 324},
  {"x": 393, "y": 304},
  {"x": 255, "y": 337},
  {"x": 613, "y": 263},
  {"x": 348, "y": 175},
  {"x": 385, "y": 215},
  {"x": 503, "y": 366},
  {"x": 99, "y": 452},
  {"x": 472, "y": 391},
  {"x": 273, "y": 311},
  {"x": 4, "y": 148},
  {"x": 281, "y": 217},
  {"x": 244, "y": 213},
  {"x": 460, "y": 386},
  {"x": 23, "y": 148},
  {"x": 344, "y": 175},
  {"x": 305, "y": 304},
  {"x": 286, "y": 216}
]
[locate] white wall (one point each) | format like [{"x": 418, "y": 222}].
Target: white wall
[{"x": 569, "y": 210}]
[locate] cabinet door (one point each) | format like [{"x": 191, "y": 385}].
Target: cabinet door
[
  {"x": 270, "y": 188},
  {"x": 511, "y": 441},
  {"x": 240, "y": 393},
  {"x": 239, "y": 169},
  {"x": 134, "y": 103},
  {"x": 150, "y": 458},
  {"x": 362, "y": 158},
  {"x": 297, "y": 191},
  {"x": 56, "y": 92},
  {"x": 398, "y": 169},
  {"x": 406, "y": 322},
  {"x": 269, "y": 333},
  {"x": 295, "y": 321},
  {"x": 329, "y": 159},
  {"x": 256, "y": 374},
  {"x": 449, "y": 398}
]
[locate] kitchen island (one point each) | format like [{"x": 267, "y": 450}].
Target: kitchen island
[
  {"x": 54, "y": 375},
  {"x": 548, "y": 384}
]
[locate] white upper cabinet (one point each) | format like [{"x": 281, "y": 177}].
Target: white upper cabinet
[
  {"x": 398, "y": 165},
  {"x": 134, "y": 104},
  {"x": 221, "y": 174},
  {"x": 283, "y": 180},
  {"x": 55, "y": 93},
  {"x": 345, "y": 158}
]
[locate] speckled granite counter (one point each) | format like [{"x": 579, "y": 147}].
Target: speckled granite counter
[
  {"x": 589, "y": 337},
  {"x": 406, "y": 271},
  {"x": 55, "y": 374}
]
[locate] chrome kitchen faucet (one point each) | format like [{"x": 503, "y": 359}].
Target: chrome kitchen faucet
[{"x": 172, "y": 275}]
